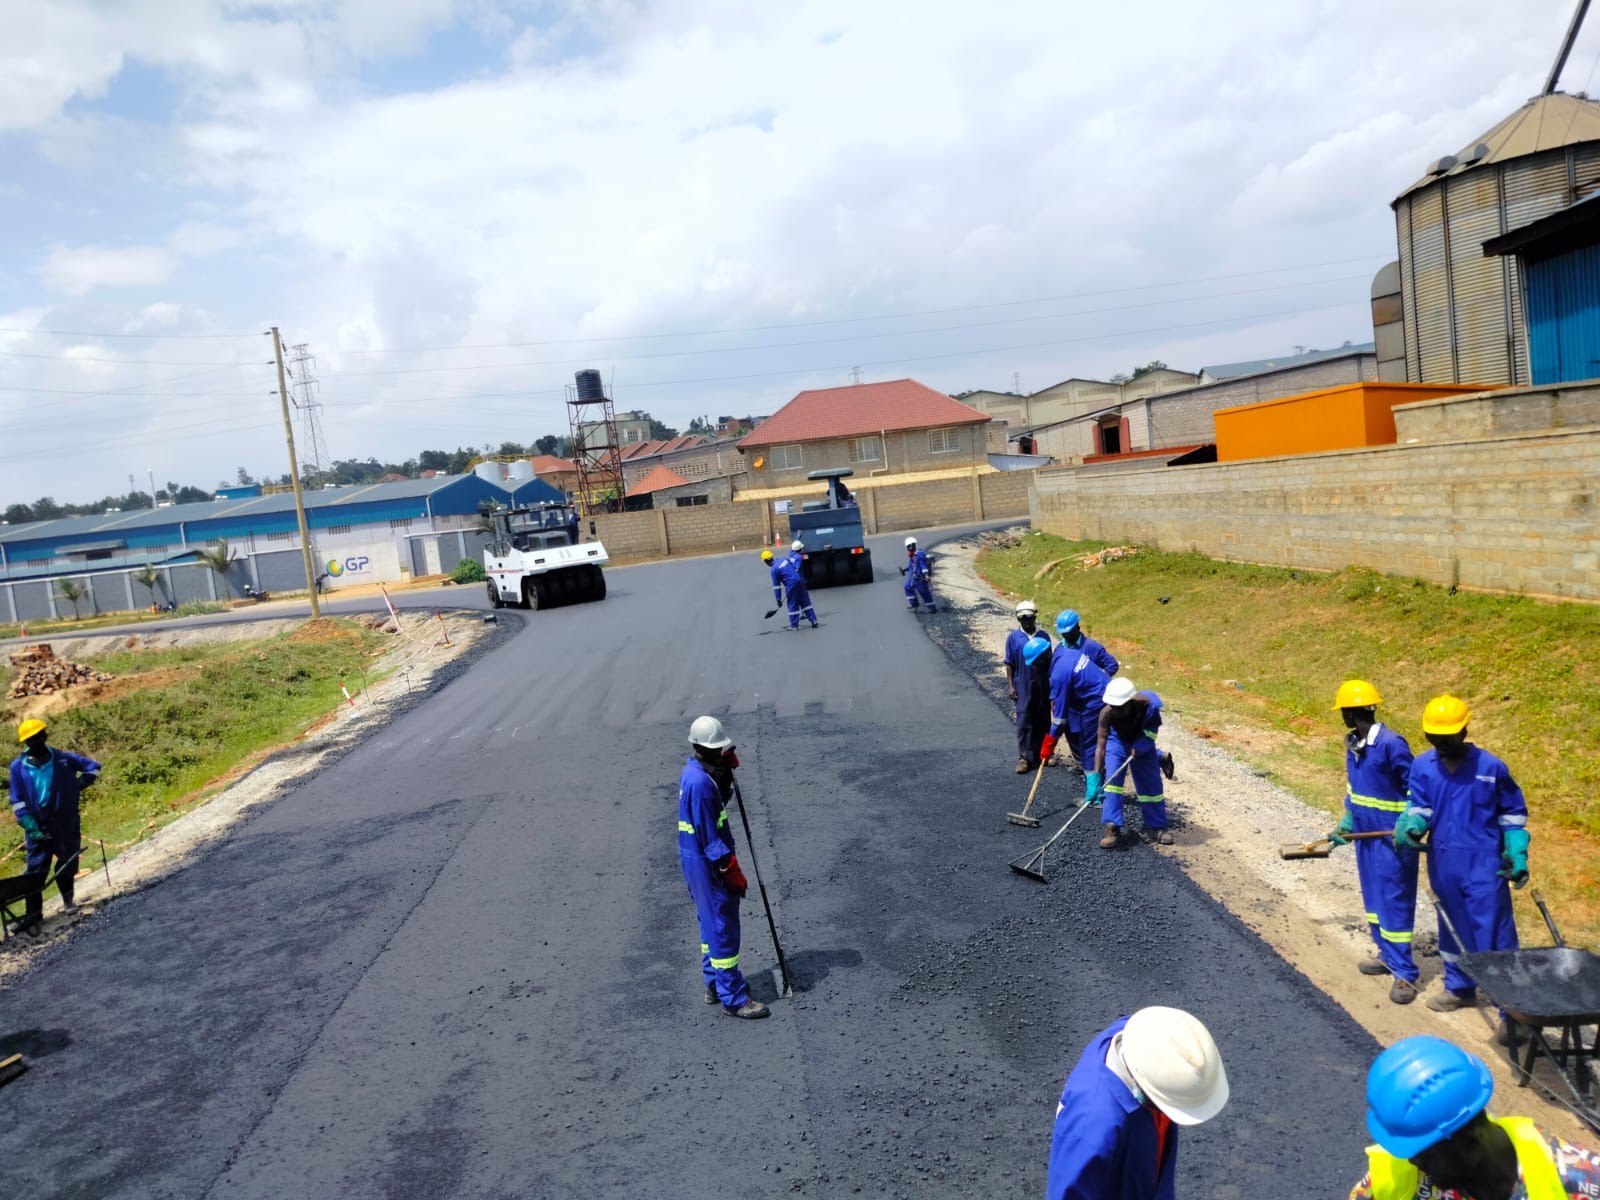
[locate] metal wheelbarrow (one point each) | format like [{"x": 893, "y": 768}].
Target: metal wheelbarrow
[{"x": 1547, "y": 988}]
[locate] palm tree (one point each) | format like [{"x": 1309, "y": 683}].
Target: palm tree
[
  {"x": 70, "y": 589},
  {"x": 219, "y": 558},
  {"x": 149, "y": 577}
]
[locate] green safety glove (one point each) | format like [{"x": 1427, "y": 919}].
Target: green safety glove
[
  {"x": 1514, "y": 856},
  {"x": 1096, "y": 787},
  {"x": 1409, "y": 830},
  {"x": 1340, "y": 834}
]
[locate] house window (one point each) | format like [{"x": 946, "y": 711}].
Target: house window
[
  {"x": 338, "y": 529},
  {"x": 784, "y": 458},
  {"x": 865, "y": 449},
  {"x": 943, "y": 441},
  {"x": 691, "y": 501},
  {"x": 402, "y": 523}
]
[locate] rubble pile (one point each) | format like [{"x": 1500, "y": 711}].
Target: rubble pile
[{"x": 39, "y": 672}]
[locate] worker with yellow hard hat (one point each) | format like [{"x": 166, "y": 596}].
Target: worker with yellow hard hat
[
  {"x": 1377, "y": 766},
  {"x": 45, "y": 786},
  {"x": 1464, "y": 800}
]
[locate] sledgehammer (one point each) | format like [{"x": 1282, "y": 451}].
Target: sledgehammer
[{"x": 1324, "y": 846}]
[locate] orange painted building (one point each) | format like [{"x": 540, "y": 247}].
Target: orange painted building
[{"x": 1337, "y": 418}]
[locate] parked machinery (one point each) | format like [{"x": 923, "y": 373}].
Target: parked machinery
[
  {"x": 830, "y": 532},
  {"x": 537, "y": 561}
]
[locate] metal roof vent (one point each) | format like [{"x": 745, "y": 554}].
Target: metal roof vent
[
  {"x": 1479, "y": 153},
  {"x": 1443, "y": 165}
]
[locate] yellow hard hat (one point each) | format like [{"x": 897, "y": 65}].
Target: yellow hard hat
[
  {"x": 1445, "y": 714},
  {"x": 1357, "y": 693},
  {"x": 766, "y": 556},
  {"x": 30, "y": 728}
]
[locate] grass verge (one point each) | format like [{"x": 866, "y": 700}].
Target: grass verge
[
  {"x": 1251, "y": 658},
  {"x": 183, "y": 721},
  {"x": 137, "y": 616}
]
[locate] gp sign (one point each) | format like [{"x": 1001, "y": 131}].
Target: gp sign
[{"x": 356, "y": 564}]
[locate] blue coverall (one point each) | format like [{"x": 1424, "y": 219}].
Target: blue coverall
[
  {"x": 1467, "y": 810},
  {"x": 788, "y": 578},
  {"x": 704, "y": 839},
  {"x": 1139, "y": 742},
  {"x": 48, "y": 814},
  {"x": 1378, "y": 768},
  {"x": 1100, "y": 656},
  {"x": 1077, "y": 688},
  {"x": 1105, "y": 1142},
  {"x": 1033, "y": 696},
  {"x": 917, "y": 576}
]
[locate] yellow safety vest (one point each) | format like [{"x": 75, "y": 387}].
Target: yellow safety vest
[{"x": 1396, "y": 1179}]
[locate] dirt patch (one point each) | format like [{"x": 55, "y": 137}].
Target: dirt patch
[
  {"x": 1229, "y": 821},
  {"x": 107, "y": 689}
]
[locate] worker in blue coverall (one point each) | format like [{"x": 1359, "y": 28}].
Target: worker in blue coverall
[
  {"x": 45, "y": 787},
  {"x": 1070, "y": 628},
  {"x": 710, "y": 866},
  {"x": 1126, "y": 729},
  {"x": 1136, "y": 1084},
  {"x": 917, "y": 573},
  {"x": 1463, "y": 799},
  {"x": 1377, "y": 765},
  {"x": 1077, "y": 691},
  {"x": 789, "y": 580},
  {"x": 1029, "y": 687}
]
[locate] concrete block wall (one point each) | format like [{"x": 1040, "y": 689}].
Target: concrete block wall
[
  {"x": 1515, "y": 513},
  {"x": 1508, "y": 410},
  {"x": 715, "y": 527},
  {"x": 1005, "y": 494},
  {"x": 1183, "y": 418}
]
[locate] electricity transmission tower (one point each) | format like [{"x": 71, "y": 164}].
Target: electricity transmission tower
[{"x": 314, "y": 457}]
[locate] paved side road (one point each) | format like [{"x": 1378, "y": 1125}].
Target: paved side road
[{"x": 462, "y": 961}]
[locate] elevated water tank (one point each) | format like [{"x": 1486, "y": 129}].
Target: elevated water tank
[{"x": 589, "y": 385}]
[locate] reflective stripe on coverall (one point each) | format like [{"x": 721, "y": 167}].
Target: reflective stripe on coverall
[
  {"x": 1098, "y": 654},
  {"x": 703, "y": 840},
  {"x": 1467, "y": 811},
  {"x": 1104, "y": 1144},
  {"x": 792, "y": 574},
  {"x": 1033, "y": 696},
  {"x": 917, "y": 573},
  {"x": 1145, "y": 773},
  {"x": 1378, "y": 772},
  {"x": 1077, "y": 687},
  {"x": 1542, "y": 1177}
]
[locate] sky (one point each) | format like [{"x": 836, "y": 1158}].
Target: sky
[{"x": 456, "y": 204}]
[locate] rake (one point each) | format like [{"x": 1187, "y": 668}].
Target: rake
[
  {"x": 1032, "y": 864},
  {"x": 1022, "y": 818}
]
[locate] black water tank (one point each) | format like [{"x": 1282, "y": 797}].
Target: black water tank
[{"x": 589, "y": 386}]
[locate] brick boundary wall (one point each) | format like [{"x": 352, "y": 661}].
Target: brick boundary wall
[{"x": 1512, "y": 513}]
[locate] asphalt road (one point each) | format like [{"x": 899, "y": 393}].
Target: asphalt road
[{"x": 461, "y": 961}]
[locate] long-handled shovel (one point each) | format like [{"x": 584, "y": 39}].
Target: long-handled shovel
[
  {"x": 1323, "y": 847},
  {"x": 772, "y": 927}
]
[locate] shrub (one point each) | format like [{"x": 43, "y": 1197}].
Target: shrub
[{"x": 469, "y": 570}]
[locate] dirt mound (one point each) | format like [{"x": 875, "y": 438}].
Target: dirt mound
[{"x": 41, "y": 673}]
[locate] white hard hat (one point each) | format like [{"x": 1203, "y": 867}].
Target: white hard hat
[
  {"x": 1027, "y": 607},
  {"x": 911, "y": 541},
  {"x": 708, "y": 732},
  {"x": 1175, "y": 1062},
  {"x": 797, "y": 544},
  {"x": 1119, "y": 691}
]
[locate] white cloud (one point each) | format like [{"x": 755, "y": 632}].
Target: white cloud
[{"x": 76, "y": 270}]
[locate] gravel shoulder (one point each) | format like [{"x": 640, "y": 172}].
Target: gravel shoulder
[{"x": 1229, "y": 823}]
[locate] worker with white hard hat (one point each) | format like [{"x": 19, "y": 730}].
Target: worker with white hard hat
[
  {"x": 45, "y": 788},
  {"x": 1127, "y": 728},
  {"x": 710, "y": 866},
  {"x": 1428, "y": 1110},
  {"x": 1028, "y": 684},
  {"x": 917, "y": 573},
  {"x": 1136, "y": 1084}
]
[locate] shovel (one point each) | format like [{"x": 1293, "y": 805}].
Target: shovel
[{"x": 1323, "y": 847}]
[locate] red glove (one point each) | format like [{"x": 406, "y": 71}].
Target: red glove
[
  {"x": 733, "y": 878},
  {"x": 1048, "y": 747}
]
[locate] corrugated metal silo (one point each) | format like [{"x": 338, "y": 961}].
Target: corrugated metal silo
[{"x": 518, "y": 473}]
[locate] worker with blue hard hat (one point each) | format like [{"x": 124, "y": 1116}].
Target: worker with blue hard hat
[
  {"x": 1077, "y": 691},
  {"x": 1427, "y": 1109},
  {"x": 1465, "y": 802},
  {"x": 1070, "y": 626},
  {"x": 1028, "y": 684}
]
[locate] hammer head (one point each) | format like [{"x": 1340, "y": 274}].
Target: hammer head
[{"x": 1309, "y": 850}]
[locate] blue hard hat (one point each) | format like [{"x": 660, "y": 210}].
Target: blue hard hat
[
  {"x": 1067, "y": 621},
  {"x": 1034, "y": 648},
  {"x": 1420, "y": 1091}
]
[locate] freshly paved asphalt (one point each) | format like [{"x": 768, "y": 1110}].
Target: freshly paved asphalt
[{"x": 461, "y": 960}]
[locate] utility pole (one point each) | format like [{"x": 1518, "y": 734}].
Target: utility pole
[
  {"x": 294, "y": 478},
  {"x": 154, "y": 502}
]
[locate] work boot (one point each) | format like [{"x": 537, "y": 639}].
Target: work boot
[
  {"x": 933, "y": 608},
  {"x": 1448, "y": 1001},
  {"x": 711, "y": 993},
  {"x": 1402, "y": 991},
  {"x": 1373, "y": 966},
  {"x": 1112, "y": 838},
  {"x": 1168, "y": 767},
  {"x": 1159, "y": 837},
  {"x": 29, "y": 926},
  {"x": 1022, "y": 766},
  {"x": 750, "y": 1010},
  {"x": 67, "y": 902}
]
